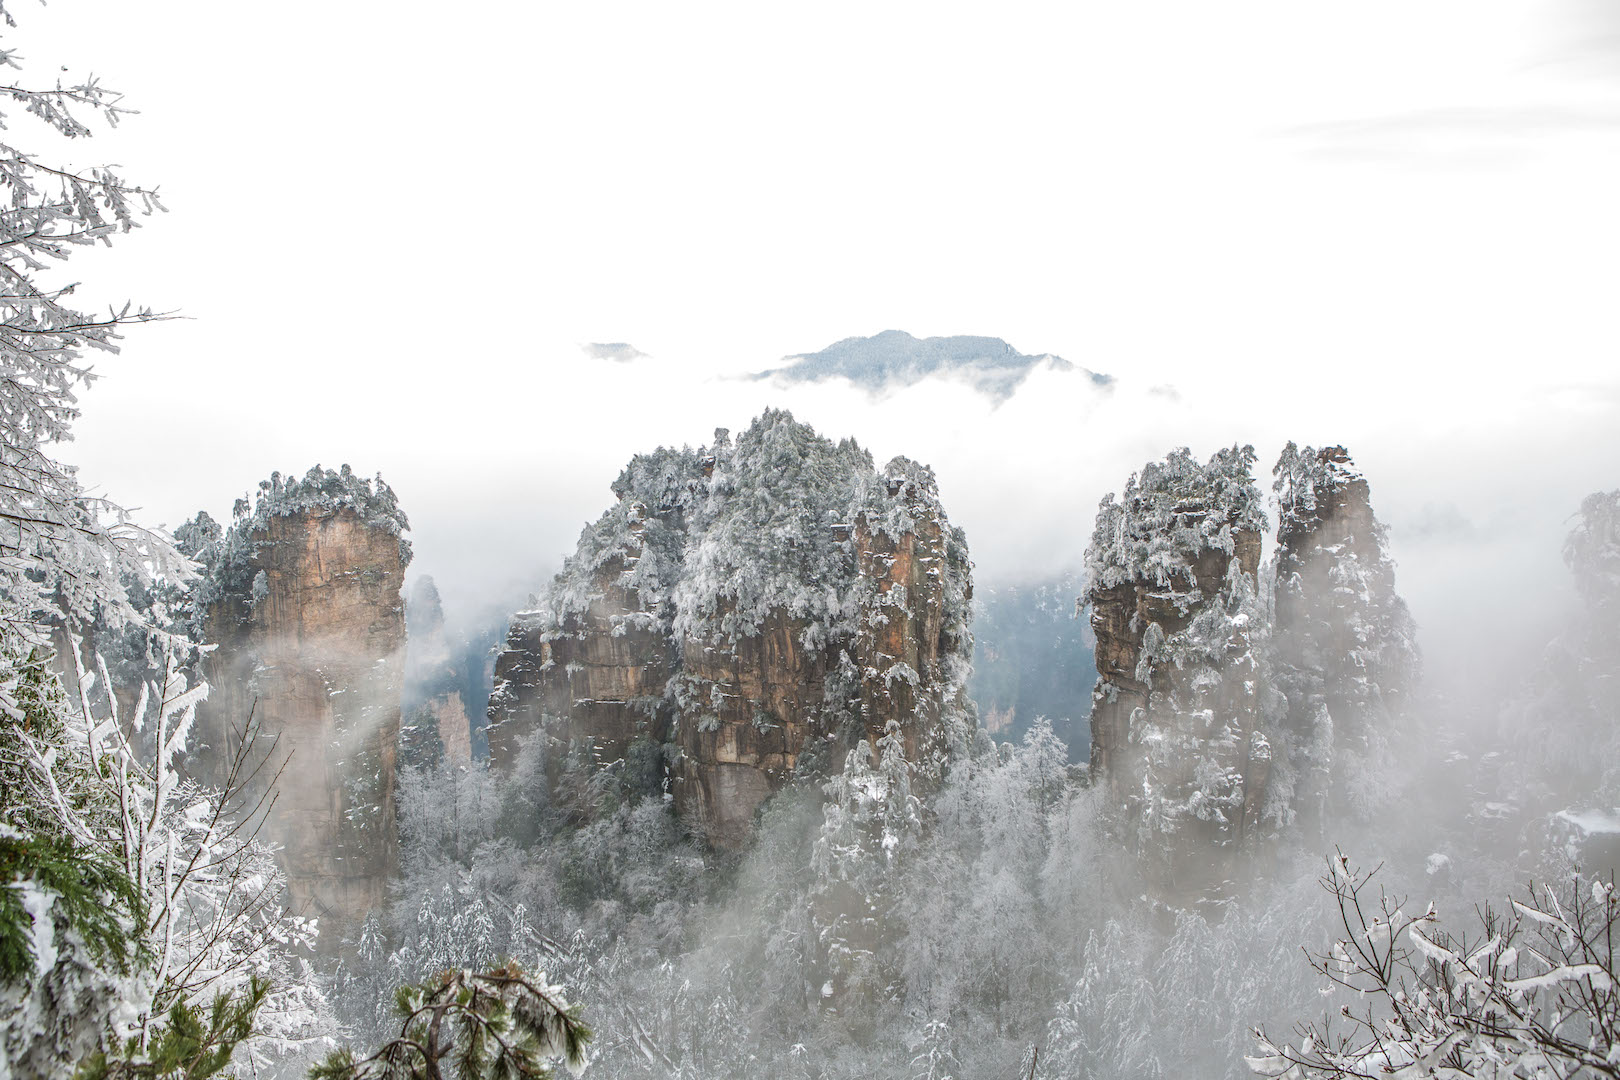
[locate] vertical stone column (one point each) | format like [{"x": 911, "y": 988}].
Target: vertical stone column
[{"x": 315, "y": 653}]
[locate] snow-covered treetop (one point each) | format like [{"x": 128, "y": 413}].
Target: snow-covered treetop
[
  {"x": 716, "y": 538},
  {"x": 1171, "y": 512},
  {"x": 1300, "y": 474},
  {"x": 226, "y": 553},
  {"x": 644, "y": 530},
  {"x": 1593, "y": 550},
  {"x": 327, "y": 490},
  {"x": 324, "y": 491}
]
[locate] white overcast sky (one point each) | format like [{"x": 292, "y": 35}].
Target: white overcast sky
[{"x": 394, "y": 225}]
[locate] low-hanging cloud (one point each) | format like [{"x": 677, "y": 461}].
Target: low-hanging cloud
[{"x": 619, "y": 351}]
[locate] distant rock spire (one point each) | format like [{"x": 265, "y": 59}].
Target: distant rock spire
[
  {"x": 1182, "y": 704},
  {"x": 1343, "y": 643},
  {"x": 302, "y": 597}
]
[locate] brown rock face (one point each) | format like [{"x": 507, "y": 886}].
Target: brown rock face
[
  {"x": 1178, "y": 722},
  {"x": 769, "y": 697},
  {"x": 593, "y": 684},
  {"x": 668, "y": 661},
  {"x": 1335, "y": 517},
  {"x": 450, "y": 719},
  {"x": 314, "y": 650},
  {"x": 1120, "y": 617}
]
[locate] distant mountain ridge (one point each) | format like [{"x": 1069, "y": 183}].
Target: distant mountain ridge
[{"x": 894, "y": 359}]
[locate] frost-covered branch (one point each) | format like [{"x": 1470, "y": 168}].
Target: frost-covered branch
[
  {"x": 212, "y": 919},
  {"x": 65, "y": 553},
  {"x": 1531, "y": 994}
]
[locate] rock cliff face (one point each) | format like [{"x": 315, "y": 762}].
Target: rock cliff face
[
  {"x": 302, "y": 596},
  {"x": 1343, "y": 643},
  {"x": 743, "y": 612},
  {"x": 1180, "y": 709}
]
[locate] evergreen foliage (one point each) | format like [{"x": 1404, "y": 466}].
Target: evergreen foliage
[
  {"x": 1170, "y": 513},
  {"x": 471, "y": 1026},
  {"x": 48, "y": 877},
  {"x": 715, "y": 539},
  {"x": 195, "y": 1044}
]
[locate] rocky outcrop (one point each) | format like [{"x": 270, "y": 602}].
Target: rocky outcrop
[
  {"x": 591, "y": 679},
  {"x": 743, "y": 613},
  {"x": 1232, "y": 698},
  {"x": 434, "y": 705},
  {"x": 302, "y": 597},
  {"x": 1344, "y": 649},
  {"x": 1181, "y": 705}
]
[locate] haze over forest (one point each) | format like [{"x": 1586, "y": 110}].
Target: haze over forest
[{"x": 868, "y": 543}]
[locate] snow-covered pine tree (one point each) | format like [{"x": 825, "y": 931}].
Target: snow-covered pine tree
[
  {"x": 70, "y": 947},
  {"x": 197, "y": 896},
  {"x": 1183, "y": 706},
  {"x": 1344, "y": 646}
]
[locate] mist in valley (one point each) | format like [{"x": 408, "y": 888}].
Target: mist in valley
[
  {"x": 691, "y": 645},
  {"x": 1004, "y": 916}
]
